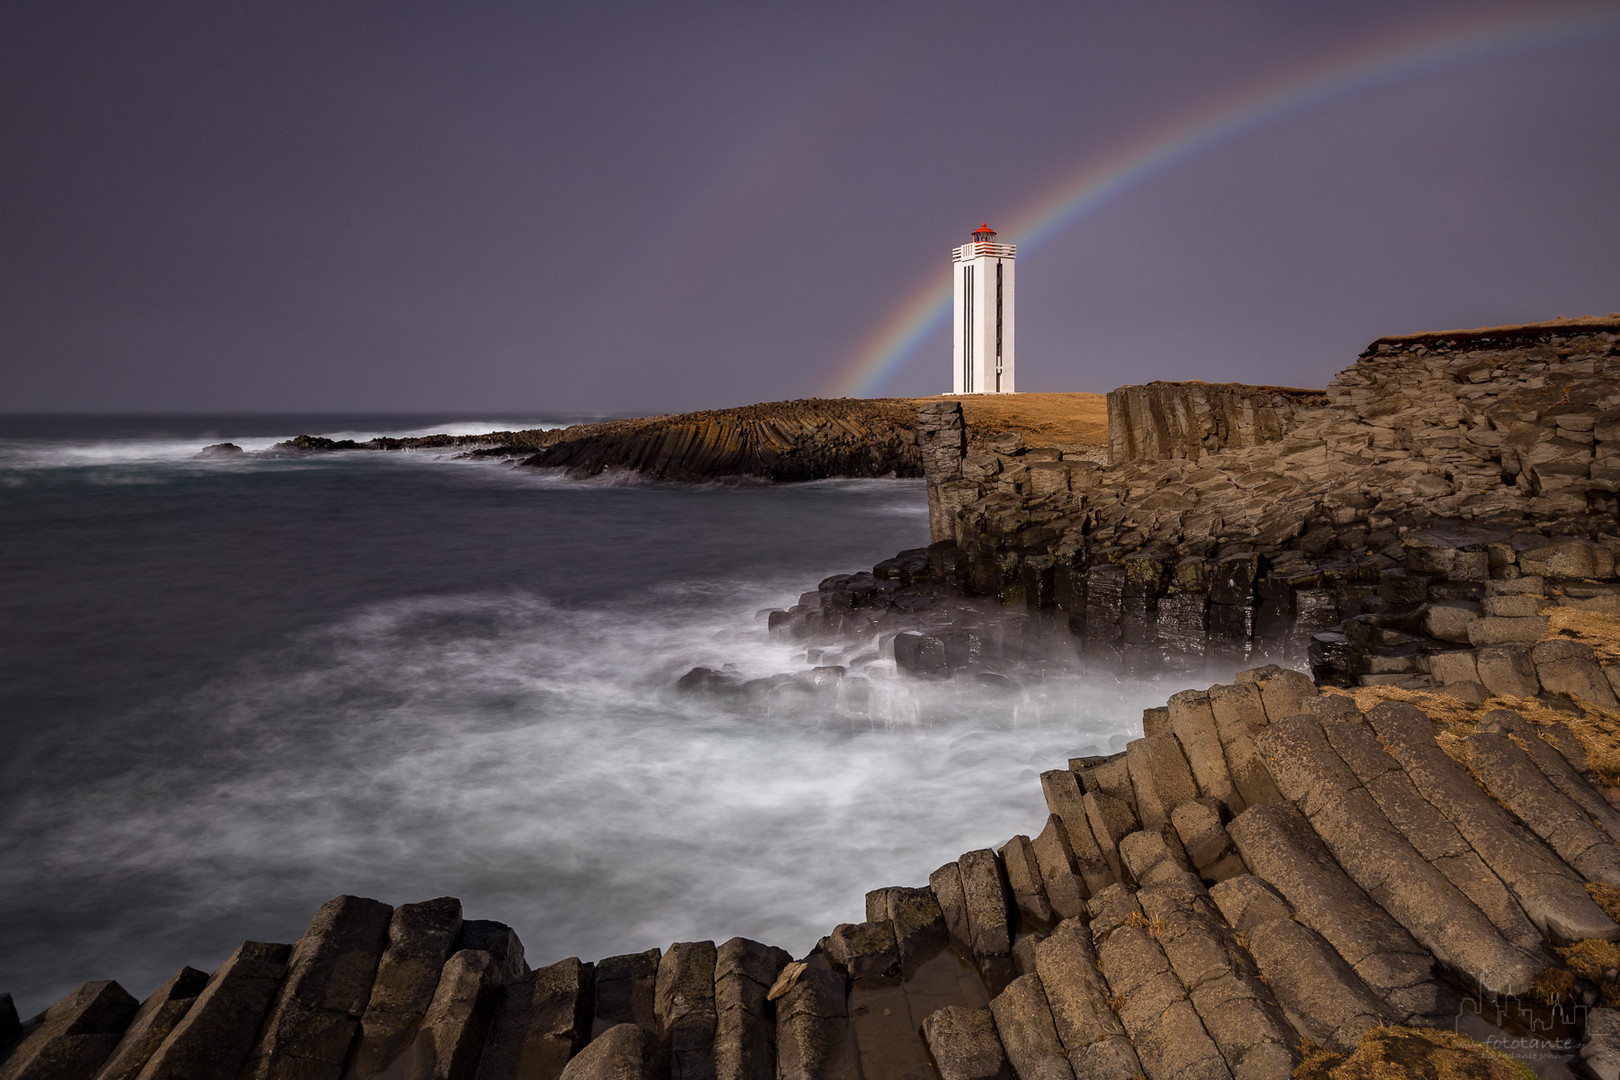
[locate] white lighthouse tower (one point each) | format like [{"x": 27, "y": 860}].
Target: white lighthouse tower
[{"x": 982, "y": 344}]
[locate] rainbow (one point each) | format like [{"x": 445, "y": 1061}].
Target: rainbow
[{"x": 926, "y": 310}]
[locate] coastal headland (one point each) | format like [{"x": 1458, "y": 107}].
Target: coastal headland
[
  {"x": 1366, "y": 870},
  {"x": 781, "y": 441}
]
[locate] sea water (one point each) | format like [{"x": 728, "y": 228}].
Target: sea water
[{"x": 232, "y": 688}]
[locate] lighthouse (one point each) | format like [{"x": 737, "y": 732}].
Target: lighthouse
[{"x": 982, "y": 338}]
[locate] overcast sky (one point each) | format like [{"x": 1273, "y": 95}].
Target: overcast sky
[{"x": 608, "y": 207}]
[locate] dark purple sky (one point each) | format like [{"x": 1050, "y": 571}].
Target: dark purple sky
[{"x": 547, "y": 207}]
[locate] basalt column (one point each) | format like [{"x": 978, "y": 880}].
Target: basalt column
[{"x": 942, "y": 441}]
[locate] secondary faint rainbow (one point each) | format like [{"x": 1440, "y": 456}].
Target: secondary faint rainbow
[{"x": 926, "y": 310}]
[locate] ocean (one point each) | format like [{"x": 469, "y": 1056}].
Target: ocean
[{"x": 231, "y": 689}]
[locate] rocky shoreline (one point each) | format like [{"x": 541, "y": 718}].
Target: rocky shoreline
[
  {"x": 1283, "y": 876},
  {"x": 776, "y": 442},
  {"x": 1271, "y": 875},
  {"x": 782, "y": 441}
]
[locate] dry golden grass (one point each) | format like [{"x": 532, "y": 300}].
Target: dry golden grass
[
  {"x": 1404, "y": 1053},
  {"x": 1606, "y": 896},
  {"x": 1600, "y": 631},
  {"x": 1604, "y": 761},
  {"x": 1596, "y": 729},
  {"x": 1043, "y": 419},
  {"x": 1554, "y": 986},
  {"x": 1590, "y": 958},
  {"x": 1440, "y": 707},
  {"x": 1579, "y": 322},
  {"x": 1315, "y": 1062}
]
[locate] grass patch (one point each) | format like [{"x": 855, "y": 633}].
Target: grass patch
[
  {"x": 1591, "y": 958},
  {"x": 1594, "y": 628},
  {"x": 1404, "y": 1053},
  {"x": 1554, "y": 986},
  {"x": 1606, "y": 896},
  {"x": 1596, "y": 729}
]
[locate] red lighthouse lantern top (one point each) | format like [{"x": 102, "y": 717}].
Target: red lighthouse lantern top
[{"x": 984, "y": 234}]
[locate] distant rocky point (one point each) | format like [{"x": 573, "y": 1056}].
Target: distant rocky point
[
  {"x": 220, "y": 450},
  {"x": 781, "y": 441}
]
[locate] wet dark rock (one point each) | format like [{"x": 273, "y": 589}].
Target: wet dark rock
[
  {"x": 921, "y": 655},
  {"x": 1105, "y": 598},
  {"x": 315, "y": 444},
  {"x": 702, "y": 680},
  {"x": 1330, "y": 658},
  {"x": 906, "y": 568},
  {"x": 220, "y": 450}
]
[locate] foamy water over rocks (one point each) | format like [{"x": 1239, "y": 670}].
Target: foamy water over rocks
[{"x": 243, "y": 686}]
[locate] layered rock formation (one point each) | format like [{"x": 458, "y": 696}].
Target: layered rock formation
[
  {"x": 1439, "y": 464},
  {"x": 1269, "y": 868},
  {"x": 1186, "y": 420},
  {"x": 780, "y": 441}
]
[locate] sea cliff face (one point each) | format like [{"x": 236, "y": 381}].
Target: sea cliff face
[
  {"x": 1186, "y": 420},
  {"x": 1375, "y": 526}
]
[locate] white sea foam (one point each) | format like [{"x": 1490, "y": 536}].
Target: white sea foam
[
  {"x": 535, "y": 761},
  {"x": 24, "y": 455}
]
